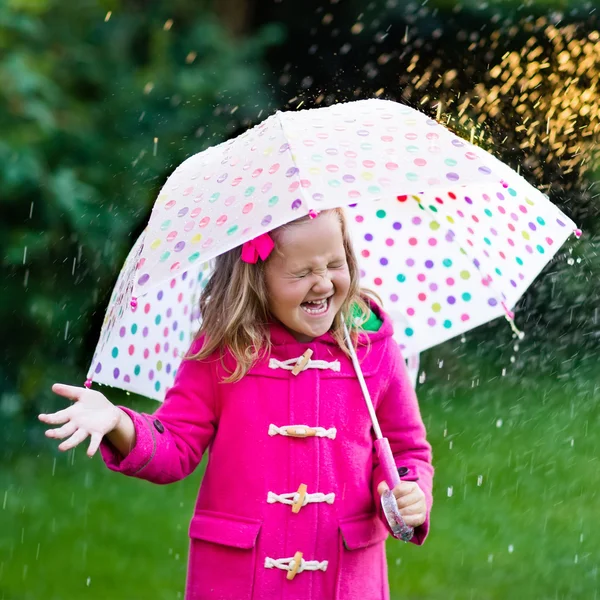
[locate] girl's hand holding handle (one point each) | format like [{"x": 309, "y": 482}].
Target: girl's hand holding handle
[
  {"x": 93, "y": 415},
  {"x": 411, "y": 501}
]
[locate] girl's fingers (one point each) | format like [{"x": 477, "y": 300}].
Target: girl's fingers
[
  {"x": 414, "y": 520},
  {"x": 57, "y": 418},
  {"x": 74, "y": 440},
  {"x": 405, "y": 488},
  {"x": 94, "y": 444},
  {"x": 382, "y": 487},
  {"x": 413, "y": 509},
  {"x": 409, "y": 500},
  {"x": 68, "y": 391},
  {"x": 62, "y": 432}
]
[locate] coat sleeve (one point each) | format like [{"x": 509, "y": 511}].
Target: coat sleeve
[
  {"x": 170, "y": 443},
  {"x": 400, "y": 420}
]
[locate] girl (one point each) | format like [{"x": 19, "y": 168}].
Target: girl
[{"x": 288, "y": 507}]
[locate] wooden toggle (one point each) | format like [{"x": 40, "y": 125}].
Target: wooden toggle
[
  {"x": 302, "y": 362},
  {"x": 297, "y": 562},
  {"x": 297, "y": 505},
  {"x": 300, "y": 431}
]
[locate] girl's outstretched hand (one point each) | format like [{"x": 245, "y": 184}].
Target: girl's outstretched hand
[
  {"x": 91, "y": 414},
  {"x": 410, "y": 500}
]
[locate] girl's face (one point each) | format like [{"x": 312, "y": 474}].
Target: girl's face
[{"x": 309, "y": 282}]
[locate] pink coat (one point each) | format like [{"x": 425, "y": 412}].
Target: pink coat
[{"x": 244, "y": 527}]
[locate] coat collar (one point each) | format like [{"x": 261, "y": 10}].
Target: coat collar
[{"x": 280, "y": 336}]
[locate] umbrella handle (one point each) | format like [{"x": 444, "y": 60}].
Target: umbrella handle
[
  {"x": 386, "y": 461},
  {"x": 395, "y": 522}
]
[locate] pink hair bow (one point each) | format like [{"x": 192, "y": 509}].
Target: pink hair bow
[{"x": 260, "y": 246}]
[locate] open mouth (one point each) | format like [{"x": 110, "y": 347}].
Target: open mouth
[{"x": 317, "y": 308}]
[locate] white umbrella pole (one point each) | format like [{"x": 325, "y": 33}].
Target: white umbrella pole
[
  {"x": 384, "y": 453},
  {"x": 363, "y": 385}
]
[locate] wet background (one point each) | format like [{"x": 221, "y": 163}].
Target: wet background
[{"x": 100, "y": 102}]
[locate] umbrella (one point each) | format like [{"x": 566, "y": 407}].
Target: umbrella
[{"x": 445, "y": 233}]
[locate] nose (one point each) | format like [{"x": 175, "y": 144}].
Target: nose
[{"x": 323, "y": 285}]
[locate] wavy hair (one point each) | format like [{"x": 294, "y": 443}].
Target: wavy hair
[{"x": 235, "y": 307}]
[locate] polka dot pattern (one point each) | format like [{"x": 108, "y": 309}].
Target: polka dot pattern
[
  {"x": 141, "y": 348},
  {"x": 296, "y": 161},
  {"x": 446, "y": 262},
  {"x": 448, "y": 235}
]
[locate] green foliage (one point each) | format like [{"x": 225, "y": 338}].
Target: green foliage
[{"x": 95, "y": 110}]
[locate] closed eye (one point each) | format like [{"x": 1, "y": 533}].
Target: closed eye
[{"x": 337, "y": 265}]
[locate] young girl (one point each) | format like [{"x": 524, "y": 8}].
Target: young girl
[{"x": 289, "y": 504}]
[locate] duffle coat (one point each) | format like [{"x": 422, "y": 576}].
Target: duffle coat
[{"x": 268, "y": 436}]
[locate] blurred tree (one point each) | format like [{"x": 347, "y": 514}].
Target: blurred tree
[{"x": 97, "y": 106}]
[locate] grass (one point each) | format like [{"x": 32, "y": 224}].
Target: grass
[{"x": 516, "y": 509}]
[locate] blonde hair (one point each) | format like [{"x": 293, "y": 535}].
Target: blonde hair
[{"x": 235, "y": 307}]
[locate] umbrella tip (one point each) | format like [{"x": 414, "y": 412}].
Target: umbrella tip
[
  {"x": 578, "y": 233},
  {"x": 88, "y": 383}
]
